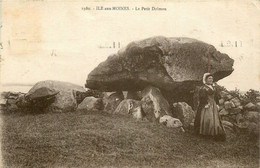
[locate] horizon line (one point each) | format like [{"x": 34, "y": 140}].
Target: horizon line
[{"x": 17, "y": 84}]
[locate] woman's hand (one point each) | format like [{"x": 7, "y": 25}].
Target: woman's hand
[{"x": 207, "y": 106}]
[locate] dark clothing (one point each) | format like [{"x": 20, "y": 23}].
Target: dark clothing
[{"x": 207, "y": 120}]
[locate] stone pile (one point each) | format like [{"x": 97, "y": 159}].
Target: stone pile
[
  {"x": 240, "y": 116},
  {"x": 149, "y": 105},
  {"x": 9, "y": 101}
]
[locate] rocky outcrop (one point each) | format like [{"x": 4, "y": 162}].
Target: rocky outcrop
[
  {"x": 65, "y": 100},
  {"x": 154, "y": 104},
  {"x": 174, "y": 65},
  {"x": 91, "y": 104}
]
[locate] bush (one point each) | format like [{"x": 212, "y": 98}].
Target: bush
[
  {"x": 233, "y": 93},
  {"x": 250, "y": 96},
  {"x": 236, "y": 93}
]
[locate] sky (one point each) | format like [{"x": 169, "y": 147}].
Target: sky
[{"x": 57, "y": 40}]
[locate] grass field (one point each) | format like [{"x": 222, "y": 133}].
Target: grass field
[{"x": 95, "y": 139}]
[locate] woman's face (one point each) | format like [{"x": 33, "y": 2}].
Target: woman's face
[{"x": 209, "y": 80}]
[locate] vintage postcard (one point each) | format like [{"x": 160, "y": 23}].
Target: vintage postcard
[{"x": 102, "y": 83}]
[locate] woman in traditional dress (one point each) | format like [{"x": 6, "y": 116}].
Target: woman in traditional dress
[{"x": 207, "y": 121}]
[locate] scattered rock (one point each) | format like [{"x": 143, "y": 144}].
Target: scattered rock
[
  {"x": 91, "y": 103},
  {"x": 228, "y": 125},
  {"x": 252, "y": 116},
  {"x": 258, "y": 106},
  {"x": 228, "y": 105},
  {"x": 236, "y": 101},
  {"x": 242, "y": 127},
  {"x": 22, "y": 102},
  {"x": 130, "y": 106},
  {"x": 232, "y": 117},
  {"x": 12, "y": 107},
  {"x": 112, "y": 101},
  {"x": 184, "y": 112},
  {"x": 240, "y": 107},
  {"x": 223, "y": 112},
  {"x": 229, "y": 97},
  {"x": 221, "y": 107},
  {"x": 250, "y": 106},
  {"x": 11, "y": 101},
  {"x": 240, "y": 118},
  {"x": 235, "y": 110},
  {"x": 221, "y": 101},
  {"x": 223, "y": 94},
  {"x": 137, "y": 112},
  {"x": 154, "y": 104},
  {"x": 169, "y": 121},
  {"x": 3, "y": 101},
  {"x": 4, "y": 95},
  {"x": 10, "y": 95},
  {"x": 124, "y": 107}
]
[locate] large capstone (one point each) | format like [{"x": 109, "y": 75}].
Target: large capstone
[{"x": 174, "y": 65}]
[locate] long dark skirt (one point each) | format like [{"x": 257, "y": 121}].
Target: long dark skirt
[{"x": 208, "y": 123}]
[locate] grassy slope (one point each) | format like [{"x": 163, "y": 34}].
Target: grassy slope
[{"x": 83, "y": 139}]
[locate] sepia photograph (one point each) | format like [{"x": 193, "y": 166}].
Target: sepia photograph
[{"x": 129, "y": 84}]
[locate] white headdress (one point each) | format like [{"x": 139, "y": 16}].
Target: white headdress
[{"x": 205, "y": 77}]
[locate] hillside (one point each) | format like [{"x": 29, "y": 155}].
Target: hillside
[{"x": 97, "y": 139}]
